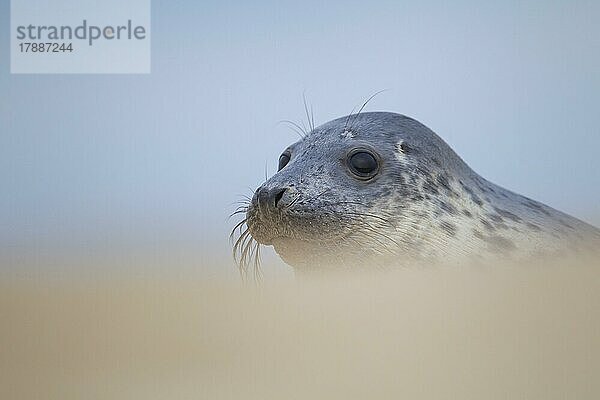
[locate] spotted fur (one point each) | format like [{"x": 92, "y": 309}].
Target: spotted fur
[{"x": 424, "y": 204}]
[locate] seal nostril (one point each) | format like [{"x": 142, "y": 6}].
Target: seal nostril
[{"x": 278, "y": 196}]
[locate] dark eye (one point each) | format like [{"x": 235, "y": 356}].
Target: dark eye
[
  {"x": 363, "y": 164},
  {"x": 284, "y": 159}
]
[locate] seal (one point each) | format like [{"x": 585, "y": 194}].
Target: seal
[{"x": 379, "y": 189}]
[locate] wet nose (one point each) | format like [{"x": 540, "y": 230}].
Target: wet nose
[{"x": 270, "y": 198}]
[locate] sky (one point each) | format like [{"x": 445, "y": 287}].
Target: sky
[{"x": 120, "y": 170}]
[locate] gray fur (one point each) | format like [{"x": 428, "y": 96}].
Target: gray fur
[{"x": 424, "y": 204}]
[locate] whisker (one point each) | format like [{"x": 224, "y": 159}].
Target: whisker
[
  {"x": 364, "y": 105},
  {"x": 266, "y": 171},
  {"x": 370, "y": 216},
  {"x": 304, "y": 126},
  {"x": 309, "y": 115},
  {"x": 244, "y": 197},
  {"x": 255, "y": 256},
  {"x": 348, "y": 118},
  {"x": 242, "y": 233},
  {"x": 381, "y": 234},
  {"x": 387, "y": 221},
  {"x": 246, "y": 251},
  {"x": 239, "y": 225},
  {"x": 239, "y": 255},
  {"x": 241, "y": 203},
  {"x": 293, "y": 202},
  {"x": 296, "y": 128},
  {"x": 236, "y": 212},
  {"x": 321, "y": 194}
]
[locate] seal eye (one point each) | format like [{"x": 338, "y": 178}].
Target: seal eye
[
  {"x": 363, "y": 164},
  {"x": 284, "y": 159}
]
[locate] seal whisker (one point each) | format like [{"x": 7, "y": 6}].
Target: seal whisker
[
  {"x": 254, "y": 258},
  {"x": 363, "y": 259},
  {"x": 239, "y": 244},
  {"x": 246, "y": 250},
  {"x": 348, "y": 119},
  {"x": 363, "y": 106},
  {"x": 293, "y": 202},
  {"x": 378, "y": 217},
  {"x": 361, "y": 204},
  {"x": 266, "y": 171},
  {"x": 374, "y": 234},
  {"x": 244, "y": 197},
  {"x": 312, "y": 199},
  {"x": 239, "y": 225},
  {"x": 244, "y": 260},
  {"x": 242, "y": 210},
  {"x": 381, "y": 244},
  {"x": 241, "y": 205},
  {"x": 305, "y": 128},
  {"x": 295, "y": 127},
  {"x": 244, "y": 202},
  {"x": 309, "y": 116},
  {"x": 377, "y": 232}
]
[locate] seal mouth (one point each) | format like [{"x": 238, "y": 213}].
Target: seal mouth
[
  {"x": 261, "y": 224},
  {"x": 291, "y": 225},
  {"x": 268, "y": 227},
  {"x": 307, "y": 253},
  {"x": 308, "y": 229},
  {"x": 308, "y": 240}
]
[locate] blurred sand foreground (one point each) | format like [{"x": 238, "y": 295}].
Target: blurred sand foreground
[{"x": 532, "y": 333}]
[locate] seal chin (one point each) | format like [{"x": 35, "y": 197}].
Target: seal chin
[
  {"x": 292, "y": 239},
  {"x": 302, "y": 239},
  {"x": 260, "y": 235},
  {"x": 272, "y": 227},
  {"x": 303, "y": 253}
]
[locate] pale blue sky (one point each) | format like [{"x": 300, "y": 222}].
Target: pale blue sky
[{"x": 99, "y": 164}]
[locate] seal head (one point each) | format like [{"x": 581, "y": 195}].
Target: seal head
[{"x": 381, "y": 189}]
